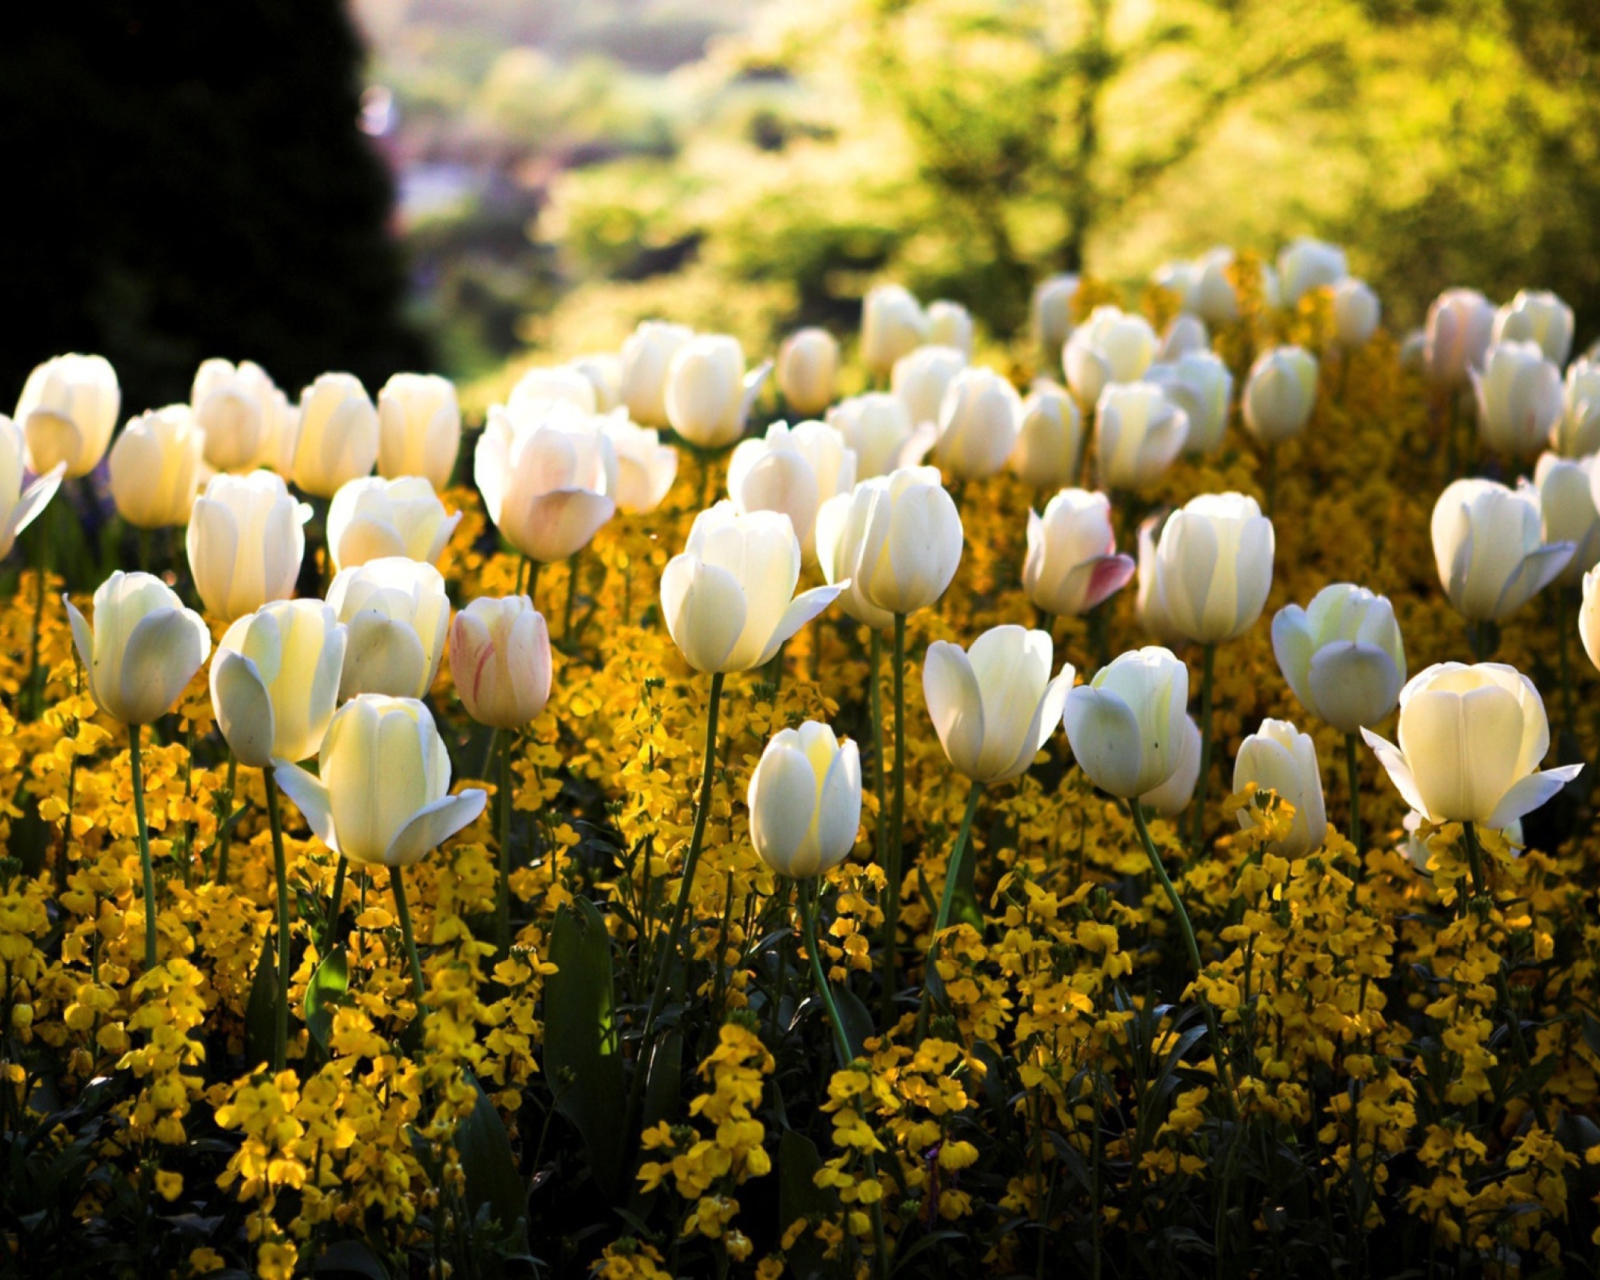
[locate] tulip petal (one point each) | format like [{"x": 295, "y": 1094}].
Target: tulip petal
[
  {"x": 839, "y": 808},
  {"x": 783, "y": 804},
  {"x": 1352, "y": 684},
  {"x": 1107, "y": 577},
  {"x": 1530, "y": 793},
  {"x": 311, "y": 797},
  {"x": 704, "y": 609},
  {"x": 432, "y": 825},
  {"x": 165, "y": 649},
  {"x": 35, "y": 498},
  {"x": 955, "y": 704},
  {"x": 804, "y": 607},
  {"x": 1538, "y": 570},
  {"x": 383, "y": 655},
  {"x": 82, "y": 641},
  {"x": 1399, "y": 771},
  {"x": 244, "y": 708},
  {"x": 1104, "y": 735},
  {"x": 1293, "y": 646}
]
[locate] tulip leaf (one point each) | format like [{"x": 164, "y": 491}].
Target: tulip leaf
[
  {"x": 856, "y": 1018},
  {"x": 490, "y": 1168},
  {"x": 329, "y": 982},
  {"x": 350, "y": 1258},
  {"x": 664, "y": 1088},
  {"x": 582, "y": 1060},
  {"x": 260, "y": 1024},
  {"x": 800, "y": 1197},
  {"x": 31, "y": 836}
]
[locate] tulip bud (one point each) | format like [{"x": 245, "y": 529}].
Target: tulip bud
[
  {"x": 1488, "y": 549},
  {"x": 892, "y": 324},
  {"x": 560, "y": 382},
  {"x": 1072, "y": 562},
  {"x": 397, "y": 612},
  {"x": 240, "y": 410},
  {"x": 1049, "y": 445},
  {"x": 67, "y": 412},
  {"x": 1126, "y": 726},
  {"x": 791, "y": 470},
  {"x": 500, "y": 661},
  {"x": 604, "y": 371},
  {"x": 1213, "y": 297},
  {"x": 1414, "y": 352},
  {"x": 805, "y": 801},
  {"x": 726, "y": 598},
  {"x": 1201, "y": 385},
  {"x": 1471, "y": 741},
  {"x": 245, "y": 543},
  {"x": 1577, "y": 434},
  {"x": 1176, "y": 794},
  {"x": 1309, "y": 264},
  {"x": 878, "y": 427},
  {"x": 1342, "y": 656},
  {"x": 155, "y": 467},
  {"x": 1213, "y": 566},
  {"x": 921, "y": 377},
  {"x": 338, "y": 438},
  {"x": 19, "y": 507},
  {"x": 1184, "y": 334},
  {"x": 646, "y": 468},
  {"x": 950, "y": 325},
  {"x": 1149, "y": 605},
  {"x": 995, "y": 706},
  {"x": 1278, "y": 757},
  {"x": 897, "y": 539},
  {"x": 1460, "y": 324},
  {"x": 1519, "y": 399},
  {"x": 144, "y": 647},
  {"x": 1052, "y": 312},
  {"x": 1567, "y": 511},
  {"x": 1178, "y": 279},
  {"x": 1279, "y": 394},
  {"x": 708, "y": 393},
  {"x": 1138, "y": 433},
  {"x": 1537, "y": 316},
  {"x": 646, "y": 355},
  {"x": 547, "y": 477},
  {"x": 808, "y": 370},
  {"x": 275, "y": 681},
  {"x": 1356, "y": 310},
  {"x": 978, "y": 424},
  {"x": 1111, "y": 346},
  {"x": 371, "y": 518},
  {"x": 382, "y": 794}
]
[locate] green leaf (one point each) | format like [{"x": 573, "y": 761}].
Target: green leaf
[
  {"x": 800, "y": 1197},
  {"x": 350, "y": 1258},
  {"x": 31, "y": 836},
  {"x": 664, "y": 1087},
  {"x": 260, "y": 1026},
  {"x": 329, "y": 982},
  {"x": 491, "y": 1168},
  {"x": 857, "y": 1020},
  {"x": 582, "y": 1062}
]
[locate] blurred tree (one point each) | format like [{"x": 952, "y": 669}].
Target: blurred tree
[{"x": 189, "y": 180}]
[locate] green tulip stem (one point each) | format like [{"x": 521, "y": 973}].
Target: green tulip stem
[
  {"x": 1352, "y": 769},
  {"x": 502, "y": 895},
  {"x": 225, "y": 814},
  {"x": 572, "y": 595},
  {"x": 34, "y": 701},
  {"x": 808, "y": 901},
  {"x": 952, "y": 877},
  {"x": 336, "y": 902},
  {"x": 1519, "y": 1046},
  {"x": 894, "y": 868},
  {"x": 680, "y": 907},
  {"x": 136, "y": 767},
  {"x": 397, "y": 882},
  {"x": 1269, "y": 479},
  {"x": 1203, "y": 782},
  {"x": 1569, "y": 711},
  {"x": 875, "y": 692},
  {"x": 280, "y": 867},
  {"x": 1224, "y": 1076}
]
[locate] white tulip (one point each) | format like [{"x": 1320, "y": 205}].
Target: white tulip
[
  {"x": 548, "y": 475},
  {"x": 1488, "y": 548},
  {"x": 1176, "y": 794},
  {"x": 1460, "y": 327},
  {"x": 67, "y": 412},
  {"x": 1051, "y": 312},
  {"x": 896, "y": 538},
  {"x": 1356, "y": 311},
  {"x": 805, "y": 801},
  {"x": 245, "y": 543},
  {"x": 1179, "y": 279},
  {"x": 500, "y": 661},
  {"x": 20, "y": 507},
  {"x": 950, "y": 325},
  {"x": 1589, "y": 616},
  {"x": 241, "y": 411},
  {"x": 1111, "y": 346},
  {"x": 892, "y": 323},
  {"x": 1138, "y": 434},
  {"x": 878, "y": 427},
  {"x": 1279, "y": 394},
  {"x": 1519, "y": 399},
  {"x": 143, "y": 649},
  {"x": 646, "y": 356},
  {"x": 1072, "y": 562},
  {"x": 1567, "y": 511},
  {"x": 1537, "y": 316},
  {"x": 1308, "y": 264},
  {"x": 921, "y": 377},
  {"x": 1149, "y": 605},
  {"x": 808, "y": 370},
  {"x": 646, "y": 468},
  {"x": 994, "y": 706},
  {"x": 727, "y": 598},
  {"x": 155, "y": 467},
  {"x": 371, "y": 518},
  {"x": 708, "y": 394},
  {"x": 1577, "y": 434},
  {"x": 1471, "y": 740},
  {"x": 1049, "y": 448},
  {"x": 1278, "y": 757},
  {"x": 338, "y": 434},
  {"x": 1213, "y": 566},
  {"x": 558, "y": 382},
  {"x": 275, "y": 681},
  {"x": 1127, "y": 725},
  {"x": 604, "y": 371},
  {"x": 792, "y": 470},
  {"x": 1342, "y": 655},
  {"x": 978, "y": 424},
  {"x": 1213, "y": 297},
  {"x": 1200, "y": 384},
  {"x": 1185, "y": 334},
  {"x": 398, "y": 613}
]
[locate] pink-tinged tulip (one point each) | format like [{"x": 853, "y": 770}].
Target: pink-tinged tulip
[
  {"x": 1072, "y": 562},
  {"x": 500, "y": 661}
]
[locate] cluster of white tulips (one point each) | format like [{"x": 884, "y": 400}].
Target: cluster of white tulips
[{"x": 855, "y": 491}]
